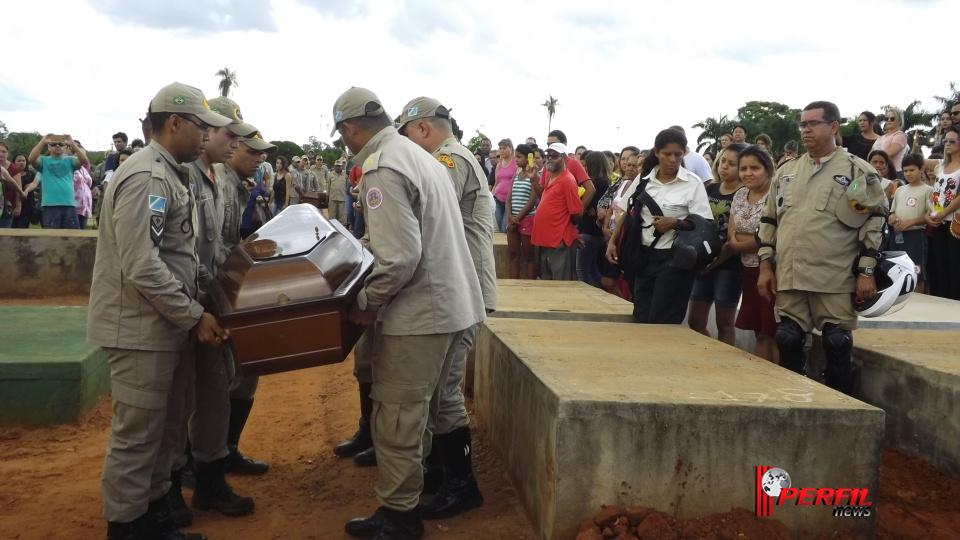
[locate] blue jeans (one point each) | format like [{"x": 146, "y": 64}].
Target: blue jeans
[
  {"x": 60, "y": 217},
  {"x": 82, "y": 221},
  {"x": 588, "y": 261},
  {"x": 501, "y": 216},
  {"x": 359, "y": 224},
  {"x": 351, "y": 213}
]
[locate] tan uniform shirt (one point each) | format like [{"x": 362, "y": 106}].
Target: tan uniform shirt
[
  {"x": 475, "y": 203},
  {"x": 146, "y": 269},
  {"x": 338, "y": 187},
  {"x": 235, "y": 199},
  {"x": 814, "y": 250},
  {"x": 209, "y": 215},
  {"x": 320, "y": 174},
  {"x": 423, "y": 279}
]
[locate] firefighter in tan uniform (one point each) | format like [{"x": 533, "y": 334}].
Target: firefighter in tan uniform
[
  {"x": 144, "y": 314},
  {"x": 426, "y": 122},
  {"x": 823, "y": 219},
  {"x": 422, "y": 294}
]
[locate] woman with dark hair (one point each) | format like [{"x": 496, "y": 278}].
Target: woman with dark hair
[
  {"x": 606, "y": 217},
  {"x": 764, "y": 142},
  {"x": 521, "y": 206},
  {"x": 30, "y": 186},
  {"x": 720, "y": 283},
  {"x": 591, "y": 237},
  {"x": 660, "y": 291},
  {"x": 861, "y": 143},
  {"x": 709, "y": 156},
  {"x": 944, "y": 263},
  {"x": 756, "y": 314},
  {"x": 888, "y": 174},
  {"x": 282, "y": 186}
]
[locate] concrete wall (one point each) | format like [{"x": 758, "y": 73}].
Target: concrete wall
[
  {"x": 589, "y": 414},
  {"x": 46, "y": 262}
]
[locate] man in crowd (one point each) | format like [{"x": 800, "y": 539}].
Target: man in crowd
[
  {"x": 320, "y": 172},
  {"x": 143, "y": 309},
  {"x": 488, "y": 164},
  {"x": 573, "y": 166},
  {"x": 739, "y": 134},
  {"x": 310, "y": 180},
  {"x": 119, "y": 144},
  {"x": 422, "y": 294},
  {"x": 817, "y": 244},
  {"x": 426, "y": 122},
  {"x": 789, "y": 152},
  {"x": 57, "y": 197},
  {"x": 554, "y": 225},
  {"x": 337, "y": 191}
]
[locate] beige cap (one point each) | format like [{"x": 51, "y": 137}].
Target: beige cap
[
  {"x": 354, "y": 103},
  {"x": 180, "y": 98},
  {"x": 422, "y": 107},
  {"x": 229, "y": 108},
  {"x": 255, "y": 141},
  {"x": 296, "y": 159},
  {"x": 861, "y": 199}
]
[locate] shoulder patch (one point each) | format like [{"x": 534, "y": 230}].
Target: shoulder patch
[
  {"x": 446, "y": 160},
  {"x": 157, "y": 204},
  {"x": 372, "y": 163},
  {"x": 374, "y": 198}
]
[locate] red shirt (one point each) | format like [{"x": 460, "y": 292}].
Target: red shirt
[
  {"x": 355, "y": 175},
  {"x": 9, "y": 194},
  {"x": 573, "y": 167},
  {"x": 559, "y": 201}
]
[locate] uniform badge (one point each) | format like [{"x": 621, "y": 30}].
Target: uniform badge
[
  {"x": 446, "y": 160},
  {"x": 185, "y": 225},
  {"x": 156, "y": 229},
  {"x": 857, "y": 208},
  {"x": 374, "y": 198},
  {"x": 842, "y": 180},
  {"x": 413, "y": 111},
  {"x": 157, "y": 204}
]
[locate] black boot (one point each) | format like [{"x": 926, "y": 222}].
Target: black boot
[
  {"x": 187, "y": 477},
  {"x": 362, "y": 439},
  {"x": 133, "y": 530},
  {"x": 179, "y": 512},
  {"x": 459, "y": 491},
  {"x": 158, "y": 525},
  {"x": 367, "y": 458},
  {"x": 365, "y": 527},
  {"x": 213, "y": 492},
  {"x": 433, "y": 469},
  {"x": 237, "y": 463},
  {"x": 399, "y": 525},
  {"x": 840, "y": 373}
]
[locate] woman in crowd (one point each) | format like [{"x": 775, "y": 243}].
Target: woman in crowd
[
  {"x": 709, "y": 157},
  {"x": 860, "y": 144},
  {"x": 506, "y": 168},
  {"x": 29, "y": 183},
  {"x": 720, "y": 283},
  {"x": 282, "y": 186},
  {"x": 764, "y": 142},
  {"x": 658, "y": 287},
  {"x": 521, "y": 205},
  {"x": 606, "y": 216},
  {"x": 756, "y": 314},
  {"x": 893, "y": 141},
  {"x": 591, "y": 236},
  {"x": 11, "y": 204},
  {"x": 725, "y": 140},
  {"x": 944, "y": 263},
  {"x": 884, "y": 166},
  {"x": 258, "y": 196},
  {"x": 83, "y": 197},
  {"x": 937, "y": 144}
]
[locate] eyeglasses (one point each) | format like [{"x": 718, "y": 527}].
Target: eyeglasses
[
  {"x": 202, "y": 125},
  {"x": 813, "y": 123},
  {"x": 891, "y": 119},
  {"x": 950, "y": 141}
]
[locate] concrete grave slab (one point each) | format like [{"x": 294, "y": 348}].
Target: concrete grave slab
[
  {"x": 586, "y": 414},
  {"x": 559, "y": 300},
  {"x": 921, "y": 312},
  {"x": 46, "y": 263}
]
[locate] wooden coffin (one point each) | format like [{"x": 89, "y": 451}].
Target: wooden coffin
[
  {"x": 319, "y": 199},
  {"x": 285, "y": 293}
]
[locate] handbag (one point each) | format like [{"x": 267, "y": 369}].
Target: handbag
[
  {"x": 632, "y": 252},
  {"x": 955, "y": 228}
]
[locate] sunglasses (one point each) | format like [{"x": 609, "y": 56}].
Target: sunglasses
[
  {"x": 891, "y": 119},
  {"x": 950, "y": 141},
  {"x": 57, "y": 144},
  {"x": 954, "y": 113},
  {"x": 553, "y": 156}
]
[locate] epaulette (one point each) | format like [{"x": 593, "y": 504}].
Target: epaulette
[{"x": 372, "y": 163}]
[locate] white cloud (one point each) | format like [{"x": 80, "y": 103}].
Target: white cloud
[{"x": 622, "y": 71}]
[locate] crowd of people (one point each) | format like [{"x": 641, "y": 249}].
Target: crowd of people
[{"x": 778, "y": 245}]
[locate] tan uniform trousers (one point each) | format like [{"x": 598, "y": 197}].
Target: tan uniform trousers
[
  {"x": 449, "y": 411},
  {"x": 152, "y": 394},
  {"x": 336, "y": 210},
  {"x": 813, "y": 309},
  {"x": 407, "y": 377}
]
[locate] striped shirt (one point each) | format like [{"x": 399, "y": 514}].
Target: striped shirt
[{"x": 522, "y": 190}]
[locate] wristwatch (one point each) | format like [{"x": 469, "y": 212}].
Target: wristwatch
[{"x": 866, "y": 272}]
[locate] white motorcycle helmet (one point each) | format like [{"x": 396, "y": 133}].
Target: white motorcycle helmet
[{"x": 896, "y": 277}]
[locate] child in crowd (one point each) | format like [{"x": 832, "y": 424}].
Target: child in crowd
[
  {"x": 908, "y": 213},
  {"x": 521, "y": 205}
]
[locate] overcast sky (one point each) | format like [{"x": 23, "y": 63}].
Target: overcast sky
[{"x": 622, "y": 70}]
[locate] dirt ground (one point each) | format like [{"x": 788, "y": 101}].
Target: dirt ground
[{"x": 50, "y": 488}]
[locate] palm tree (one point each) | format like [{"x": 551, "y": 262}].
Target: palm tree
[
  {"x": 228, "y": 79},
  {"x": 713, "y": 129},
  {"x": 950, "y": 99},
  {"x": 551, "y": 105}
]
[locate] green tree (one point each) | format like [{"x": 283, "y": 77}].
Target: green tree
[
  {"x": 3, "y": 130},
  {"x": 22, "y": 142},
  {"x": 286, "y": 149},
  {"x": 457, "y": 132},
  {"x": 551, "y": 103},
  {"x": 713, "y": 129},
  {"x": 228, "y": 80},
  {"x": 777, "y": 120},
  {"x": 474, "y": 143},
  {"x": 313, "y": 143},
  {"x": 949, "y": 100}
]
